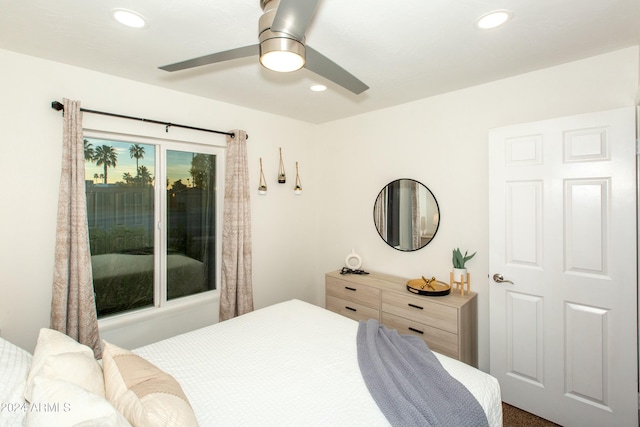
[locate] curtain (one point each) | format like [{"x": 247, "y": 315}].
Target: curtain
[
  {"x": 73, "y": 308},
  {"x": 415, "y": 215},
  {"x": 236, "y": 293},
  {"x": 207, "y": 224},
  {"x": 380, "y": 213}
]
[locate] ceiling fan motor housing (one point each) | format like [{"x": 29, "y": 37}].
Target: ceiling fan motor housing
[
  {"x": 282, "y": 28},
  {"x": 272, "y": 41}
]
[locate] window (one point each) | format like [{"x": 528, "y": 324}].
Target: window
[{"x": 152, "y": 215}]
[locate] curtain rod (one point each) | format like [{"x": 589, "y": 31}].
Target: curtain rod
[{"x": 59, "y": 106}]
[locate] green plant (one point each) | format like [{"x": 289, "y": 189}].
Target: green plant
[{"x": 459, "y": 260}]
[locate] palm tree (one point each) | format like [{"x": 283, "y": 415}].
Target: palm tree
[
  {"x": 106, "y": 156},
  {"x": 144, "y": 175},
  {"x": 95, "y": 177},
  {"x": 136, "y": 151},
  {"x": 127, "y": 178},
  {"x": 202, "y": 166},
  {"x": 89, "y": 152}
]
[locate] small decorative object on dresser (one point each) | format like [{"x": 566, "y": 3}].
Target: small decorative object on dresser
[
  {"x": 353, "y": 261},
  {"x": 459, "y": 276},
  {"x": 429, "y": 287},
  {"x": 448, "y": 324}
]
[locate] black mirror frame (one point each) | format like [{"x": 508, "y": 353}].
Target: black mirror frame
[{"x": 437, "y": 208}]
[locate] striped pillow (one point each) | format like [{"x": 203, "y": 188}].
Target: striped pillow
[{"x": 143, "y": 393}]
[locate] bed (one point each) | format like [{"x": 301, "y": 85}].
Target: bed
[
  {"x": 124, "y": 281},
  {"x": 292, "y": 363}
]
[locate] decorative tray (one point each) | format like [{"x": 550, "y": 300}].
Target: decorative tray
[{"x": 429, "y": 287}]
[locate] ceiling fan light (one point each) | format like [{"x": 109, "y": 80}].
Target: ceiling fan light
[
  {"x": 282, "y": 54},
  {"x": 282, "y": 61}
]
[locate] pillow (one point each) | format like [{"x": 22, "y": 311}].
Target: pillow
[
  {"x": 61, "y": 403},
  {"x": 145, "y": 394},
  {"x": 14, "y": 368},
  {"x": 59, "y": 356},
  {"x": 81, "y": 369}
]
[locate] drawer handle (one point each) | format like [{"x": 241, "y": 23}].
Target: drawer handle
[
  {"x": 415, "y": 306},
  {"x": 350, "y": 289},
  {"x": 349, "y": 308},
  {"x": 415, "y": 330}
]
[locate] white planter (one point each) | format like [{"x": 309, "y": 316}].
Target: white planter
[{"x": 460, "y": 275}]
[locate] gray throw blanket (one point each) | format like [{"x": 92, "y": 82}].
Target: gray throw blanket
[{"x": 408, "y": 382}]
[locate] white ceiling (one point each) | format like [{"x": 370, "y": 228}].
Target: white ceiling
[{"x": 404, "y": 50}]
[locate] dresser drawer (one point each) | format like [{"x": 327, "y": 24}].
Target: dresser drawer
[
  {"x": 421, "y": 310},
  {"x": 355, "y": 292},
  {"x": 448, "y": 324},
  {"x": 438, "y": 340},
  {"x": 351, "y": 309}
]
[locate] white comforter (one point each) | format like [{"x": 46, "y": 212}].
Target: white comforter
[{"x": 289, "y": 364}]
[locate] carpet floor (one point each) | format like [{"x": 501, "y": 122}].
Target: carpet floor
[{"x": 515, "y": 417}]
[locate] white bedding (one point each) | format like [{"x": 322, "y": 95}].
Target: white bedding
[
  {"x": 292, "y": 363},
  {"x": 14, "y": 368}
]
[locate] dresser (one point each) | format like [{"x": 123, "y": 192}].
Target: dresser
[{"x": 447, "y": 323}]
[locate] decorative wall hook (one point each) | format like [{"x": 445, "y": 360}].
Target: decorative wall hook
[
  {"x": 282, "y": 178},
  {"x": 298, "y": 188},
  {"x": 262, "y": 187}
]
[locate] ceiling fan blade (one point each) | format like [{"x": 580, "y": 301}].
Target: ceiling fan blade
[
  {"x": 227, "y": 55},
  {"x": 325, "y": 67},
  {"x": 293, "y": 17}
]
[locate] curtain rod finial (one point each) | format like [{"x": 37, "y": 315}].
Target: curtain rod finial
[{"x": 57, "y": 106}]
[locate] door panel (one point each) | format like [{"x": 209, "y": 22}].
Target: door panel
[
  {"x": 524, "y": 223},
  {"x": 524, "y": 334},
  {"x": 586, "y": 226},
  {"x": 586, "y": 337},
  {"x": 563, "y": 230}
]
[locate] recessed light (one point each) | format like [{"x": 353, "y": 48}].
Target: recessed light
[
  {"x": 318, "y": 88},
  {"x": 493, "y": 19},
  {"x": 129, "y": 18}
]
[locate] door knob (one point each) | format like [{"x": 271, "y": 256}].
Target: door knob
[{"x": 499, "y": 279}]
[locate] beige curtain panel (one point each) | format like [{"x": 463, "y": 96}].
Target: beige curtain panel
[
  {"x": 73, "y": 308},
  {"x": 236, "y": 293},
  {"x": 380, "y": 213},
  {"x": 415, "y": 215}
]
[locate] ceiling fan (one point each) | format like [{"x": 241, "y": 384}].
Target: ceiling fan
[{"x": 282, "y": 28}]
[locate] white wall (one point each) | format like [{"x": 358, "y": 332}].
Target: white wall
[
  {"x": 284, "y": 225},
  {"x": 442, "y": 142}
]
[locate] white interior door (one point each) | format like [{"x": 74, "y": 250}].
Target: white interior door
[{"x": 563, "y": 230}]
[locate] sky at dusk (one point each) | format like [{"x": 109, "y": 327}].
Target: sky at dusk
[{"x": 178, "y": 167}]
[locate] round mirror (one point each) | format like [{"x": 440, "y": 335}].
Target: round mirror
[{"x": 406, "y": 215}]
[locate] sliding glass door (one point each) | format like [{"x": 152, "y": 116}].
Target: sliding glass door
[{"x": 152, "y": 215}]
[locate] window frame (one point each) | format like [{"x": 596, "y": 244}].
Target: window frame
[{"x": 162, "y": 305}]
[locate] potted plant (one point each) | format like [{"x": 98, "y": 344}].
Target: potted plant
[
  {"x": 262, "y": 189},
  {"x": 459, "y": 265},
  {"x": 298, "y": 188}
]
